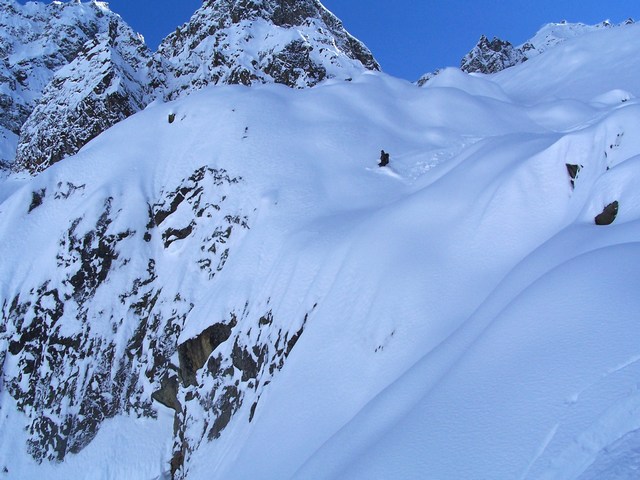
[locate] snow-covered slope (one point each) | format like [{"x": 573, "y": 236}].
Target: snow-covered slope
[
  {"x": 229, "y": 287},
  {"x": 295, "y": 43}
]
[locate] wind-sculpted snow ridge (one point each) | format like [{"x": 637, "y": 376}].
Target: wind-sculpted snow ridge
[
  {"x": 295, "y": 43},
  {"x": 228, "y": 286}
]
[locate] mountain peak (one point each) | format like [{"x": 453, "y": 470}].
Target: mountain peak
[
  {"x": 295, "y": 43},
  {"x": 492, "y": 56}
]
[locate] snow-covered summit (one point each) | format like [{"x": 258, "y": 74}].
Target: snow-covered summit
[
  {"x": 295, "y": 43},
  {"x": 553, "y": 34},
  {"x": 492, "y": 56}
]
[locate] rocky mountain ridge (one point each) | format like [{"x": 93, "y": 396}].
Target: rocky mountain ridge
[
  {"x": 104, "y": 84},
  {"x": 36, "y": 40},
  {"x": 110, "y": 74},
  {"x": 492, "y": 56},
  {"x": 294, "y": 43}
]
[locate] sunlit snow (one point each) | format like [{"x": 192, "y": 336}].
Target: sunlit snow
[{"x": 468, "y": 318}]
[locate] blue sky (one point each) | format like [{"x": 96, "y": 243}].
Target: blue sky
[{"x": 410, "y": 37}]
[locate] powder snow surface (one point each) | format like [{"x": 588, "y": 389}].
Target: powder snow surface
[{"x": 472, "y": 321}]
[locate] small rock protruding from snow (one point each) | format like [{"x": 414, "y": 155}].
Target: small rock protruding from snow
[
  {"x": 573, "y": 170},
  {"x": 384, "y": 159},
  {"x": 608, "y": 215}
]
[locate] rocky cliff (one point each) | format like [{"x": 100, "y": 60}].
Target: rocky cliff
[
  {"x": 104, "y": 84},
  {"x": 36, "y": 40},
  {"x": 295, "y": 43}
]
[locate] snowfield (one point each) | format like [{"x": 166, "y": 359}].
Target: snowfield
[{"x": 461, "y": 313}]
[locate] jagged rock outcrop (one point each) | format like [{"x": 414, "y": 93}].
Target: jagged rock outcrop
[
  {"x": 295, "y": 43},
  {"x": 77, "y": 358},
  {"x": 36, "y": 40},
  {"x": 608, "y": 215},
  {"x": 104, "y": 84},
  {"x": 491, "y": 56}
]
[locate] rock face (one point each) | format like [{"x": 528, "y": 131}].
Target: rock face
[
  {"x": 78, "y": 358},
  {"x": 36, "y": 40},
  {"x": 295, "y": 43},
  {"x": 608, "y": 215},
  {"x": 104, "y": 84},
  {"x": 491, "y": 56},
  {"x": 101, "y": 337}
]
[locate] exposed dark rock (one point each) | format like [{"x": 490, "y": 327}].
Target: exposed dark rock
[
  {"x": 244, "y": 361},
  {"x": 237, "y": 372},
  {"x": 384, "y": 159},
  {"x": 229, "y": 403},
  {"x": 64, "y": 27},
  {"x": 491, "y": 56},
  {"x": 54, "y": 378},
  {"x": 97, "y": 253},
  {"x": 194, "y": 353},
  {"x": 96, "y": 91},
  {"x": 64, "y": 191},
  {"x": 573, "y": 171},
  {"x": 212, "y": 47},
  {"x": 37, "y": 198},
  {"x": 422, "y": 81},
  {"x": 170, "y": 235},
  {"x": 168, "y": 393},
  {"x": 608, "y": 215},
  {"x": 191, "y": 196}
]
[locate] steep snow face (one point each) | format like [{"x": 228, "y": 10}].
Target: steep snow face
[
  {"x": 229, "y": 287},
  {"x": 295, "y": 43},
  {"x": 105, "y": 83},
  {"x": 35, "y": 41}
]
